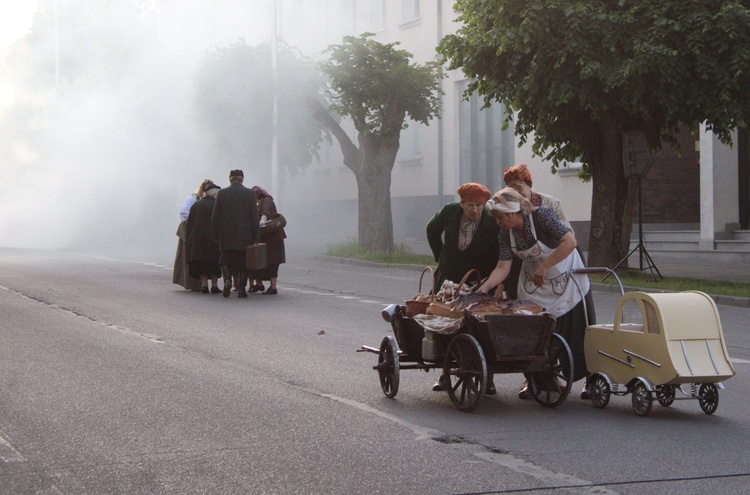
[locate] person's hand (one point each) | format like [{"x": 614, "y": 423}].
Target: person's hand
[{"x": 539, "y": 274}]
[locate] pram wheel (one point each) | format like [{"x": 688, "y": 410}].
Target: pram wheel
[
  {"x": 665, "y": 394},
  {"x": 708, "y": 397},
  {"x": 642, "y": 400},
  {"x": 600, "y": 392}
]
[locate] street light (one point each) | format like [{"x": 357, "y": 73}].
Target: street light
[{"x": 275, "y": 140}]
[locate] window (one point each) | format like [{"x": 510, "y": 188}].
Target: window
[
  {"x": 570, "y": 168},
  {"x": 485, "y": 149},
  {"x": 348, "y": 17},
  {"x": 377, "y": 15},
  {"x": 315, "y": 22},
  {"x": 409, "y": 11},
  {"x": 410, "y": 145}
]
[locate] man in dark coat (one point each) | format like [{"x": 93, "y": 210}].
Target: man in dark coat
[{"x": 235, "y": 225}]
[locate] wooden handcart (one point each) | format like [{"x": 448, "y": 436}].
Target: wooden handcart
[{"x": 477, "y": 348}]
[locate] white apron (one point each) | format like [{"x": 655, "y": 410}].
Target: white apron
[{"x": 559, "y": 293}]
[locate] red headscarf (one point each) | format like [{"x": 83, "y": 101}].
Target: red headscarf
[
  {"x": 260, "y": 192},
  {"x": 519, "y": 172}
]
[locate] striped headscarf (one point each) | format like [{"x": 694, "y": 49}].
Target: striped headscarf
[{"x": 519, "y": 172}]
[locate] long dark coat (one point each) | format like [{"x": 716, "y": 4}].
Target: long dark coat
[
  {"x": 453, "y": 264},
  {"x": 200, "y": 245},
  {"x": 234, "y": 223},
  {"x": 274, "y": 240}
]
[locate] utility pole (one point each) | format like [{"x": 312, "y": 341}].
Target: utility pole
[{"x": 275, "y": 140}]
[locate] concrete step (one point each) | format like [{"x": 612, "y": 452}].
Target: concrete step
[{"x": 667, "y": 235}]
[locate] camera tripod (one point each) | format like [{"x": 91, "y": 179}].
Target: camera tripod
[{"x": 641, "y": 248}]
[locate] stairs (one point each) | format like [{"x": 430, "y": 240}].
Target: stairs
[{"x": 684, "y": 244}]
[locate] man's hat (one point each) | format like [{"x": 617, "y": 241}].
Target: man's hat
[{"x": 236, "y": 173}]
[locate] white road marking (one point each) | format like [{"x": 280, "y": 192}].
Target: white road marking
[
  {"x": 146, "y": 336},
  {"x": 7, "y": 452}
]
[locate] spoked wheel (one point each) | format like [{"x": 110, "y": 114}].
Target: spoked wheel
[
  {"x": 551, "y": 386},
  {"x": 642, "y": 400},
  {"x": 388, "y": 367},
  {"x": 465, "y": 370},
  {"x": 708, "y": 397},
  {"x": 665, "y": 394},
  {"x": 600, "y": 391}
]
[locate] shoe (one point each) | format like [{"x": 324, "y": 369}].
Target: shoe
[
  {"x": 439, "y": 384},
  {"x": 491, "y": 390},
  {"x": 227, "y": 291},
  {"x": 525, "y": 393},
  {"x": 270, "y": 291},
  {"x": 586, "y": 392},
  {"x": 204, "y": 289},
  {"x": 215, "y": 290},
  {"x": 242, "y": 293},
  {"x": 257, "y": 288}
]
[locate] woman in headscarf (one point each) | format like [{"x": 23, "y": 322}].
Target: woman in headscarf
[
  {"x": 519, "y": 178},
  {"x": 547, "y": 250},
  {"x": 274, "y": 244}
]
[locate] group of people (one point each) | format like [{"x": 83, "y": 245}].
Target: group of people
[
  {"x": 524, "y": 248},
  {"x": 216, "y": 225}
]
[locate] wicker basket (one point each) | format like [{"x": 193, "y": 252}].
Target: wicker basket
[{"x": 419, "y": 303}]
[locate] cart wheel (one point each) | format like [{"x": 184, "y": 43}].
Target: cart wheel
[
  {"x": 642, "y": 400},
  {"x": 708, "y": 397},
  {"x": 551, "y": 386},
  {"x": 665, "y": 394},
  {"x": 388, "y": 367},
  {"x": 600, "y": 391},
  {"x": 464, "y": 362}
]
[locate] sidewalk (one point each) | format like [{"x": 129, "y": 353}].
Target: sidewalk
[
  {"x": 705, "y": 270},
  {"x": 727, "y": 272}
]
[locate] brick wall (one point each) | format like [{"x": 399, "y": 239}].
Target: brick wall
[{"x": 671, "y": 189}]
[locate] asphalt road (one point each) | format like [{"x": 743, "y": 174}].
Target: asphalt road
[{"x": 113, "y": 380}]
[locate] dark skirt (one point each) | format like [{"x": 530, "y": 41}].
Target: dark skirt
[
  {"x": 202, "y": 268},
  {"x": 572, "y": 327},
  {"x": 269, "y": 272}
]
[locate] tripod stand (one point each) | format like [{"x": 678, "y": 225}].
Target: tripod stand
[{"x": 643, "y": 254}]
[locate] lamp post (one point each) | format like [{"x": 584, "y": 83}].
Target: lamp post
[
  {"x": 57, "y": 49},
  {"x": 275, "y": 140}
]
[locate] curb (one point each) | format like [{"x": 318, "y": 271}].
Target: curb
[{"x": 739, "y": 302}]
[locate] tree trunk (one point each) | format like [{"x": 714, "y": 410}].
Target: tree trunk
[
  {"x": 374, "y": 193},
  {"x": 612, "y": 201}
]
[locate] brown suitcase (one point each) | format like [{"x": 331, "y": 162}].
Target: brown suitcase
[{"x": 256, "y": 256}]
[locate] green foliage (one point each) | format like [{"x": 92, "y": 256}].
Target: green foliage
[
  {"x": 567, "y": 65},
  {"x": 576, "y": 74},
  {"x": 401, "y": 254},
  {"x": 644, "y": 280},
  {"x": 375, "y": 85},
  {"x": 234, "y": 93}
]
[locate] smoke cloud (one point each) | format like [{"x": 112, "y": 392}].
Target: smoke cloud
[{"x": 103, "y": 156}]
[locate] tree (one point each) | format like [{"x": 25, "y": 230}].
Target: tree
[
  {"x": 375, "y": 86},
  {"x": 234, "y": 101},
  {"x": 577, "y": 74}
]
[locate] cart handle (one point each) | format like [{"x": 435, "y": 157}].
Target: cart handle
[{"x": 600, "y": 269}]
